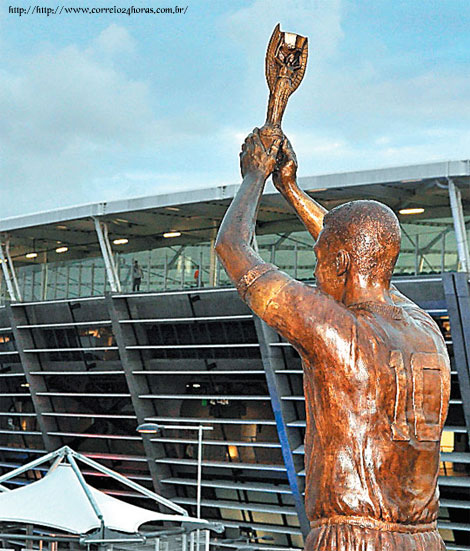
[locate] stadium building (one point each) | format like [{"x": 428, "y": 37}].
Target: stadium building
[{"x": 84, "y": 359}]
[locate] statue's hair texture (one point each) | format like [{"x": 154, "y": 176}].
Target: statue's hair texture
[{"x": 369, "y": 231}]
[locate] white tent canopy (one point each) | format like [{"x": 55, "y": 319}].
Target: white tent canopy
[{"x": 63, "y": 500}]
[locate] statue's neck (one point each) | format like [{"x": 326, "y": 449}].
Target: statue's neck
[{"x": 358, "y": 289}]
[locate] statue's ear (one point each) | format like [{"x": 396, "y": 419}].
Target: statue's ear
[{"x": 342, "y": 262}]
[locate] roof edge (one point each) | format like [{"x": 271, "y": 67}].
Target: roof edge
[{"x": 404, "y": 174}]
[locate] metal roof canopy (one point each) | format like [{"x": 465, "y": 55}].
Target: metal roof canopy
[
  {"x": 197, "y": 213},
  {"x": 63, "y": 500}
]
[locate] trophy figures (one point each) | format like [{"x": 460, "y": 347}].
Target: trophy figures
[{"x": 286, "y": 61}]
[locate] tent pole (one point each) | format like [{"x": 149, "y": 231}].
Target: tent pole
[
  {"x": 56, "y": 463},
  {"x": 31, "y": 465},
  {"x": 130, "y": 483},
  {"x": 84, "y": 485},
  {"x": 65, "y": 539}
]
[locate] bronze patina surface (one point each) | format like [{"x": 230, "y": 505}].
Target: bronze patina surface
[{"x": 376, "y": 369}]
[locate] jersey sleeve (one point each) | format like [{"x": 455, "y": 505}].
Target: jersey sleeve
[{"x": 302, "y": 314}]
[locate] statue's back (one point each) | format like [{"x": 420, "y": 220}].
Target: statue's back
[{"x": 376, "y": 403}]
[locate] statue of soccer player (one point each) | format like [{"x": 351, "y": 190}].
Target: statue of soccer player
[{"x": 376, "y": 369}]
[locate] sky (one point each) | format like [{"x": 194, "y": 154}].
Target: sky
[{"x": 111, "y": 106}]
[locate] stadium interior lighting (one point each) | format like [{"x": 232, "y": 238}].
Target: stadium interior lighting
[
  {"x": 417, "y": 210},
  {"x": 31, "y": 255},
  {"x": 172, "y": 234},
  {"x": 60, "y": 250},
  {"x": 148, "y": 428},
  {"x": 121, "y": 241}
]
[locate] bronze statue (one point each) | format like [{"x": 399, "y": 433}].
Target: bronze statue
[{"x": 376, "y": 369}]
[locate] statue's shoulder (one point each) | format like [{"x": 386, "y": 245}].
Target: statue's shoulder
[{"x": 426, "y": 323}]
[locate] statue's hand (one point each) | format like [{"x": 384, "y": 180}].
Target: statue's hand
[
  {"x": 285, "y": 172},
  {"x": 255, "y": 159}
]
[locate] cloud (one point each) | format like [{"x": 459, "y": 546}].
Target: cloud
[
  {"x": 115, "y": 39},
  {"x": 251, "y": 26},
  {"x": 355, "y": 111},
  {"x": 320, "y": 153},
  {"x": 78, "y": 125},
  {"x": 368, "y": 104},
  {"x": 61, "y": 97},
  {"x": 71, "y": 115},
  {"x": 63, "y": 112}
]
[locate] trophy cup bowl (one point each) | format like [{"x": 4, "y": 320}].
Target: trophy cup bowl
[{"x": 286, "y": 61}]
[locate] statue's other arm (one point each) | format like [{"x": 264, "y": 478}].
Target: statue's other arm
[{"x": 309, "y": 211}]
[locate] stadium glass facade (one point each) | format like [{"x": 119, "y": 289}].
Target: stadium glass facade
[
  {"x": 429, "y": 248},
  {"x": 82, "y": 365}
]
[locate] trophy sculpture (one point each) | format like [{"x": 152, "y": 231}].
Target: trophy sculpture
[{"x": 286, "y": 61}]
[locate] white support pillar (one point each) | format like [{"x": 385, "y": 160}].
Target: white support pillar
[
  {"x": 213, "y": 260},
  {"x": 106, "y": 251},
  {"x": 12, "y": 270},
  {"x": 199, "y": 475},
  {"x": 459, "y": 225},
  {"x": 9, "y": 271}
]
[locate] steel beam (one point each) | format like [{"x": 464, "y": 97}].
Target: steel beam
[
  {"x": 459, "y": 224},
  {"x": 178, "y": 253},
  {"x": 434, "y": 240},
  {"x": 283, "y": 412},
  {"x": 9, "y": 271},
  {"x": 31, "y": 465},
  {"x": 131, "y": 360},
  {"x": 127, "y": 482},
  {"x": 281, "y": 239},
  {"x": 30, "y": 363},
  {"x": 457, "y": 294},
  {"x": 419, "y": 253},
  {"x": 86, "y": 489},
  {"x": 214, "y": 259},
  {"x": 12, "y": 270},
  {"x": 107, "y": 253}
]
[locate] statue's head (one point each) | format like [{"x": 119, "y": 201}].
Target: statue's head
[{"x": 360, "y": 239}]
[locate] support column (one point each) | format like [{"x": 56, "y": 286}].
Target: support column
[
  {"x": 44, "y": 276},
  {"x": 214, "y": 259},
  {"x": 9, "y": 271},
  {"x": 283, "y": 412},
  {"x": 459, "y": 224},
  {"x": 107, "y": 253},
  {"x": 457, "y": 293},
  {"x": 131, "y": 361},
  {"x": 30, "y": 362}
]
